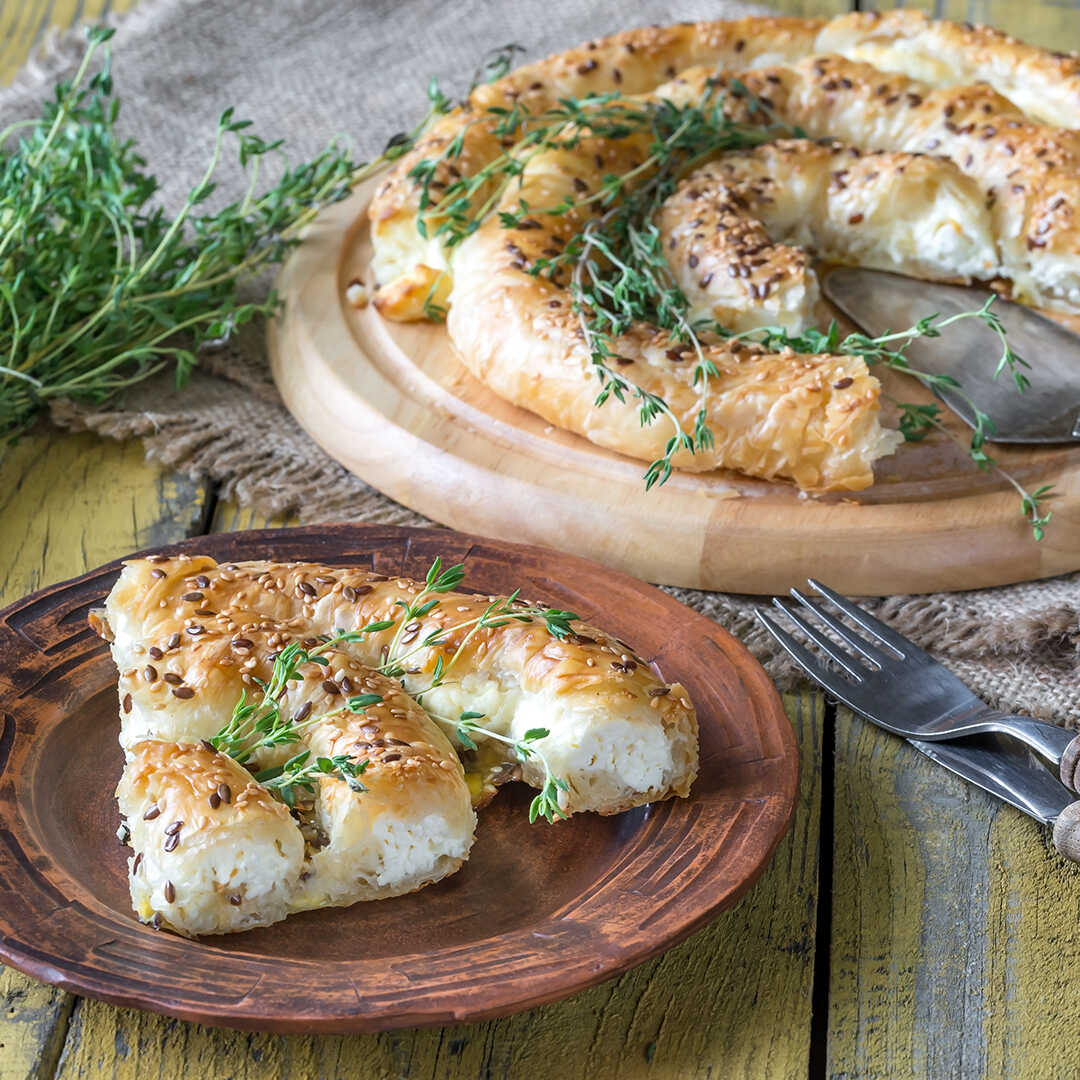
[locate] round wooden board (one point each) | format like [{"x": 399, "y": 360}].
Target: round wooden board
[
  {"x": 393, "y": 404},
  {"x": 537, "y": 912}
]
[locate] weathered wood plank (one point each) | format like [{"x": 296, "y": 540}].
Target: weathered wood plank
[
  {"x": 68, "y": 503},
  {"x": 1042, "y": 22},
  {"x": 954, "y": 924},
  {"x": 707, "y": 1008},
  {"x": 1033, "y": 929}
]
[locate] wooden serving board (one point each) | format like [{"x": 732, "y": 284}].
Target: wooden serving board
[
  {"x": 537, "y": 912},
  {"x": 393, "y": 404}
]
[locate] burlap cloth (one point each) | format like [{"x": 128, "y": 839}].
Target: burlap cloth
[{"x": 312, "y": 69}]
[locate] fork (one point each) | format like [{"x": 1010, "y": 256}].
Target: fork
[{"x": 891, "y": 681}]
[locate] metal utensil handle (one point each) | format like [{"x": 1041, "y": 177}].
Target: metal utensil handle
[
  {"x": 1070, "y": 765},
  {"x": 1067, "y": 832},
  {"x": 1053, "y": 742}
]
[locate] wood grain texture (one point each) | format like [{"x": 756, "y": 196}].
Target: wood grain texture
[
  {"x": 393, "y": 404},
  {"x": 23, "y": 23},
  {"x": 1053, "y": 23},
  {"x": 955, "y": 924},
  {"x": 67, "y": 503},
  {"x": 707, "y": 1008}
]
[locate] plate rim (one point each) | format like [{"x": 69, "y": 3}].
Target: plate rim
[{"x": 21, "y": 954}]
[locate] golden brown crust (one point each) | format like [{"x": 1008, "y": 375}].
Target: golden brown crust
[
  {"x": 217, "y": 628},
  {"x": 1043, "y": 83},
  {"x": 502, "y": 327},
  {"x": 195, "y": 785}
]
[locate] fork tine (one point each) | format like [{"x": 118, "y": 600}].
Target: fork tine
[
  {"x": 830, "y": 648},
  {"x": 859, "y": 644},
  {"x": 835, "y": 684},
  {"x": 885, "y": 634}
]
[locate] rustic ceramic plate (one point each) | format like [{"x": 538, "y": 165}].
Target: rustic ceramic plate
[{"x": 537, "y": 913}]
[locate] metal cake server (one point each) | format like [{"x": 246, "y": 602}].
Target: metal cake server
[{"x": 1047, "y": 412}]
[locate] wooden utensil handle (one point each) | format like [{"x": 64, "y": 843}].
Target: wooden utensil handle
[
  {"x": 1070, "y": 766},
  {"x": 1067, "y": 832}
]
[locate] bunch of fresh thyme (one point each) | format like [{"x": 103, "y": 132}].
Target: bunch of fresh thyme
[
  {"x": 261, "y": 725},
  {"x": 619, "y": 274},
  {"x": 99, "y": 288}
]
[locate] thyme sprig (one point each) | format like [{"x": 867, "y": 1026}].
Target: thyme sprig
[
  {"x": 917, "y": 419},
  {"x": 619, "y": 274},
  {"x": 257, "y": 725},
  {"x": 301, "y": 773},
  {"x": 546, "y": 802},
  {"x": 99, "y": 288}
]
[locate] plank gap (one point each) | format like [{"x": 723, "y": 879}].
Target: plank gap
[
  {"x": 818, "y": 1061},
  {"x": 53, "y": 1052},
  {"x": 205, "y": 524}
]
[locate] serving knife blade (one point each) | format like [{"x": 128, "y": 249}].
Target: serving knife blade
[
  {"x": 1004, "y": 768},
  {"x": 1047, "y": 412}
]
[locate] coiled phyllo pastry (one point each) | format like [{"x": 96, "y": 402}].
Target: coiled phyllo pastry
[
  {"x": 292, "y": 731},
  {"x": 599, "y": 228}
]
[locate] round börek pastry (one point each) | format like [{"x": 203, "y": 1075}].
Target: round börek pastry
[
  {"x": 189, "y": 637},
  {"x": 947, "y": 153}
]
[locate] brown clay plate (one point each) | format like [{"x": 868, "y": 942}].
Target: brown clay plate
[{"x": 537, "y": 913}]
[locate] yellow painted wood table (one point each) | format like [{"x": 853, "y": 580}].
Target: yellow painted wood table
[{"x": 908, "y": 925}]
